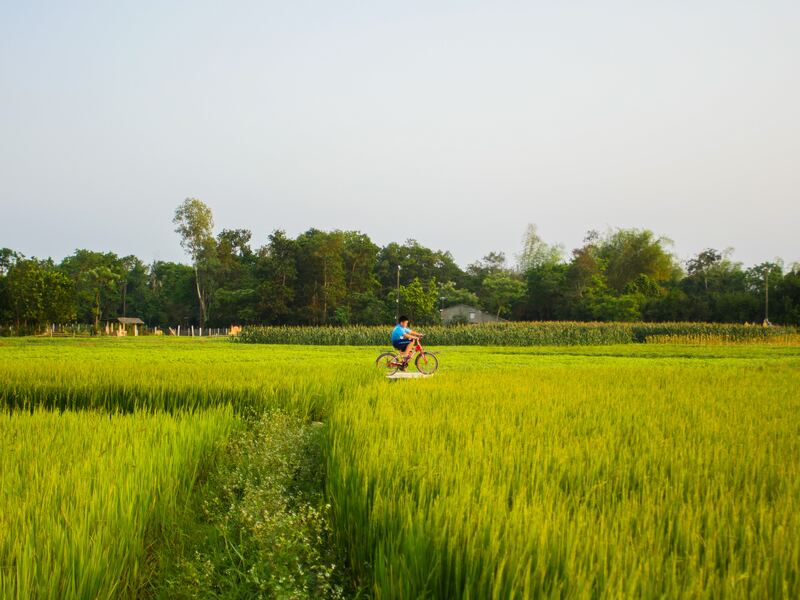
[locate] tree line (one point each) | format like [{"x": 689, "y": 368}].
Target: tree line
[{"x": 343, "y": 277}]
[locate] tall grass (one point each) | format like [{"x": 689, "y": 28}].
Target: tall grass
[
  {"x": 83, "y": 494},
  {"x": 90, "y": 490},
  {"x": 173, "y": 375},
  {"x": 551, "y": 333},
  {"x": 637, "y": 470},
  {"x": 600, "y": 478}
]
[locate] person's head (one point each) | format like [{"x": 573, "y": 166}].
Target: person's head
[{"x": 403, "y": 320}]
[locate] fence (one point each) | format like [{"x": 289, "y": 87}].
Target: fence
[
  {"x": 192, "y": 331},
  {"x": 58, "y": 330}
]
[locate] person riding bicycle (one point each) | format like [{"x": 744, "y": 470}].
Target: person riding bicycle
[{"x": 402, "y": 337}]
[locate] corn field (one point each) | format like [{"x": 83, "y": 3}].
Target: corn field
[
  {"x": 549, "y": 333},
  {"x": 724, "y": 339}
]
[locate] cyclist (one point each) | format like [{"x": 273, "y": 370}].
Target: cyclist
[{"x": 402, "y": 338}]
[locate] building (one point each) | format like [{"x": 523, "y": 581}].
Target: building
[
  {"x": 122, "y": 325},
  {"x": 463, "y": 313}
]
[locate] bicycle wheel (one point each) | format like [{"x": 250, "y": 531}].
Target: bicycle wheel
[
  {"x": 387, "y": 362},
  {"x": 427, "y": 363}
]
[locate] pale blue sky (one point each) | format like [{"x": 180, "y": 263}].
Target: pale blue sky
[{"x": 454, "y": 123}]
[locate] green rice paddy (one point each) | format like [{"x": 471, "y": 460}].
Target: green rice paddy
[{"x": 582, "y": 471}]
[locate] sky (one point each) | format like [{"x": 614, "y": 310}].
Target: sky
[{"x": 453, "y": 123}]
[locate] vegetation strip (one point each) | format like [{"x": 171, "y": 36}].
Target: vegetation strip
[
  {"x": 344, "y": 278},
  {"x": 548, "y": 333},
  {"x": 260, "y": 527}
]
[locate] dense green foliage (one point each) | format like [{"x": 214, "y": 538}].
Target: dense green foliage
[
  {"x": 343, "y": 277},
  {"x": 550, "y": 333}
]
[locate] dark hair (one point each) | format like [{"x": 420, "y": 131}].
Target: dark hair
[{"x": 402, "y": 318}]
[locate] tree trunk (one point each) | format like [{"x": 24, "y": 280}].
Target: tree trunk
[
  {"x": 352, "y": 274},
  {"x": 325, "y": 292},
  {"x": 200, "y": 295},
  {"x": 97, "y": 313}
]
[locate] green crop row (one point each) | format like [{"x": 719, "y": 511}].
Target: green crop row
[
  {"x": 593, "y": 479},
  {"x": 172, "y": 375},
  {"x": 549, "y": 333},
  {"x": 84, "y": 493}
]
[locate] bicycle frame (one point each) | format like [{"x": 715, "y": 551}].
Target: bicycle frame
[{"x": 417, "y": 350}]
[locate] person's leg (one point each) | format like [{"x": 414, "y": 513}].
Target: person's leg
[{"x": 401, "y": 350}]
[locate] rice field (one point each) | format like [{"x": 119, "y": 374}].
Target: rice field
[
  {"x": 633, "y": 479},
  {"x": 84, "y": 494},
  {"x": 652, "y": 470}
]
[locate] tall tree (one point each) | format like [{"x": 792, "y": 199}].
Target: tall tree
[
  {"x": 536, "y": 253},
  {"x": 276, "y": 268},
  {"x": 79, "y": 266},
  {"x": 38, "y": 294},
  {"x": 7, "y": 259},
  {"x": 321, "y": 274},
  {"x": 99, "y": 279},
  {"x": 362, "y": 302},
  {"x": 702, "y": 265},
  {"x": 195, "y": 224},
  {"x": 629, "y": 253},
  {"x": 419, "y": 302},
  {"x": 26, "y": 291},
  {"x": 235, "y": 297},
  {"x": 172, "y": 295},
  {"x": 762, "y": 280},
  {"x": 502, "y": 292},
  {"x": 545, "y": 287},
  {"x": 416, "y": 261}
]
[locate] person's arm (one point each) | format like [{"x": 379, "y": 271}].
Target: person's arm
[{"x": 412, "y": 334}]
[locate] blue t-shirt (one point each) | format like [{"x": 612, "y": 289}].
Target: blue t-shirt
[{"x": 398, "y": 332}]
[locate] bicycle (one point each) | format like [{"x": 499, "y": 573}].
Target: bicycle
[{"x": 426, "y": 362}]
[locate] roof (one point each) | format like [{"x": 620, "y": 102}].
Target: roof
[
  {"x": 462, "y": 307},
  {"x": 130, "y": 320},
  {"x": 474, "y": 315}
]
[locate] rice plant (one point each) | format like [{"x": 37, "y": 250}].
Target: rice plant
[
  {"x": 84, "y": 493},
  {"x": 649, "y": 469},
  {"x": 551, "y": 475},
  {"x": 172, "y": 375}
]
